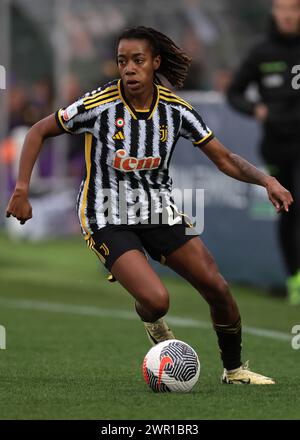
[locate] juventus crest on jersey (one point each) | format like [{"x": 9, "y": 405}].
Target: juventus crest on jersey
[{"x": 128, "y": 152}]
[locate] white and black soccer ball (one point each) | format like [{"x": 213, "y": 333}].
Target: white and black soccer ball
[{"x": 171, "y": 366}]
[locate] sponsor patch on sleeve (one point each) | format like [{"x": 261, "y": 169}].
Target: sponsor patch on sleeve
[{"x": 70, "y": 112}]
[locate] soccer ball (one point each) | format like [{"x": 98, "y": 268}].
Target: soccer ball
[{"x": 171, "y": 366}]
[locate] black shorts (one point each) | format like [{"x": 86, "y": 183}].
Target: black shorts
[{"x": 159, "y": 241}]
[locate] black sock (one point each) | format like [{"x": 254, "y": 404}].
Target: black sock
[{"x": 230, "y": 343}]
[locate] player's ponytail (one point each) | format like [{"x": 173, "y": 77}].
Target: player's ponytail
[{"x": 174, "y": 61}]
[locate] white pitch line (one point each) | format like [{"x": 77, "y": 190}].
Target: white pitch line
[{"x": 28, "y": 304}]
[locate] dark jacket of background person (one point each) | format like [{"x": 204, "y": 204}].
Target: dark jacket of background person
[{"x": 269, "y": 65}]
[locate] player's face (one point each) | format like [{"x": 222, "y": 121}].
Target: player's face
[
  {"x": 287, "y": 15},
  {"x": 137, "y": 65}
]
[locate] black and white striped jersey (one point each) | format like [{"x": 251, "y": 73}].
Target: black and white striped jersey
[{"x": 128, "y": 152}]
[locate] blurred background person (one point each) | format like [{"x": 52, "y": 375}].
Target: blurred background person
[{"x": 269, "y": 65}]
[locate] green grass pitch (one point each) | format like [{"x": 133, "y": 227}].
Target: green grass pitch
[{"x": 75, "y": 348}]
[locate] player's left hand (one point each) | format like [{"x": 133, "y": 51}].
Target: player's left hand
[{"x": 278, "y": 195}]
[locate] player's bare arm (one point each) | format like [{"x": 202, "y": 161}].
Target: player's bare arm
[
  {"x": 238, "y": 168},
  {"x": 19, "y": 205}
]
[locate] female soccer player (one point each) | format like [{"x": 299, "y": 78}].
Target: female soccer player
[{"x": 124, "y": 204}]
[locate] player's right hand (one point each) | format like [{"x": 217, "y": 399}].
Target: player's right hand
[{"x": 19, "y": 207}]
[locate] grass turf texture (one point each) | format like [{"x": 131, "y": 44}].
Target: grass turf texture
[{"x": 66, "y": 365}]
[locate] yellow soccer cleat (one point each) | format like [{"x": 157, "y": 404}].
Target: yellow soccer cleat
[
  {"x": 244, "y": 376},
  {"x": 158, "y": 331}
]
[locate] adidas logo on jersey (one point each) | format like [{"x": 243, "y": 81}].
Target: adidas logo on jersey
[
  {"x": 119, "y": 136},
  {"x": 129, "y": 163}
]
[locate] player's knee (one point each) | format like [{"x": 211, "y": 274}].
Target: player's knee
[
  {"x": 222, "y": 286},
  {"x": 217, "y": 291},
  {"x": 223, "y": 298},
  {"x": 160, "y": 309},
  {"x": 158, "y": 304}
]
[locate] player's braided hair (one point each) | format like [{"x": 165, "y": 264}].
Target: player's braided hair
[{"x": 174, "y": 61}]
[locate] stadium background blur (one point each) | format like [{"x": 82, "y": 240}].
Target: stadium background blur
[{"x": 54, "y": 51}]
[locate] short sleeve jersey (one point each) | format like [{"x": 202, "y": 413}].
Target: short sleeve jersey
[{"x": 128, "y": 152}]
